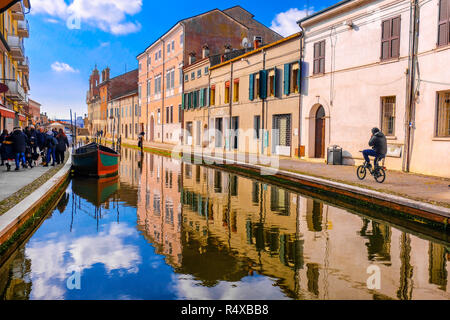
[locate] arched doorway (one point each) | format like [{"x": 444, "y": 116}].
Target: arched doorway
[
  {"x": 319, "y": 149},
  {"x": 152, "y": 128}
]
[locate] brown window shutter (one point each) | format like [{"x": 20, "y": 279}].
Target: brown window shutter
[
  {"x": 395, "y": 39},
  {"x": 385, "y": 39},
  {"x": 322, "y": 57},
  {"x": 316, "y": 57},
  {"x": 443, "y": 32}
]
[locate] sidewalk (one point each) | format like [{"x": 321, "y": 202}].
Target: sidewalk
[
  {"x": 16, "y": 185},
  {"x": 428, "y": 189}
]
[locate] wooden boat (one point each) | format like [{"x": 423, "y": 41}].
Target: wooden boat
[
  {"x": 96, "y": 191},
  {"x": 95, "y": 160}
]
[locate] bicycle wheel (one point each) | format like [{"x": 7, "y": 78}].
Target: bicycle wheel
[
  {"x": 361, "y": 172},
  {"x": 380, "y": 175}
]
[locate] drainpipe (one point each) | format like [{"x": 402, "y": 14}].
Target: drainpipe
[
  {"x": 302, "y": 35},
  {"x": 263, "y": 113},
  {"x": 410, "y": 92},
  {"x": 231, "y": 107}
]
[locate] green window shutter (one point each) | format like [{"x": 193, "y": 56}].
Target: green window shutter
[
  {"x": 195, "y": 99},
  {"x": 275, "y": 81},
  {"x": 182, "y": 101},
  {"x": 202, "y": 101},
  {"x": 263, "y": 84},
  {"x": 251, "y": 94},
  {"x": 190, "y": 100},
  {"x": 299, "y": 76},
  {"x": 287, "y": 74}
]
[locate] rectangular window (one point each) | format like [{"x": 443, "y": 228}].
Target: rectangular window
[
  {"x": 149, "y": 60},
  {"x": 173, "y": 45},
  {"x": 180, "y": 79},
  {"x": 257, "y": 85},
  {"x": 319, "y": 57},
  {"x": 168, "y": 48},
  {"x": 181, "y": 40},
  {"x": 212, "y": 97},
  {"x": 148, "y": 88},
  {"x": 159, "y": 116},
  {"x": 256, "y": 126},
  {"x": 388, "y": 115},
  {"x": 167, "y": 115},
  {"x": 236, "y": 90},
  {"x": 444, "y": 23},
  {"x": 206, "y": 70},
  {"x": 227, "y": 92},
  {"x": 295, "y": 69},
  {"x": 171, "y": 114},
  {"x": 193, "y": 76},
  {"x": 179, "y": 113},
  {"x": 199, "y": 73},
  {"x": 186, "y": 78},
  {"x": 443, "y": 115},
  {"x": 272, "y": 83},
  {"x": 390, "y": 38}
]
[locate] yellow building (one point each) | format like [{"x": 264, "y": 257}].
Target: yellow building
[{"x": 14, "y": 64}]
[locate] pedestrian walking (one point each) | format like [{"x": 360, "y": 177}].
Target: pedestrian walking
[
  {"x": 2, "y": 139},
  {"x": 141, "y": 140},
  {"x": 19, "y": 141},
  {"x": 50, "y": 144},
  {"x": 63, "y": 142}
]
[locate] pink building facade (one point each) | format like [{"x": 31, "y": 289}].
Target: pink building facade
[{"x": 360, "y": 71}]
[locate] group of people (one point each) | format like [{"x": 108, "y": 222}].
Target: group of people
[{"x": 22, "y": 147}]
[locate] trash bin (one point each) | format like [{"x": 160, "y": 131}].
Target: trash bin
[{"x": 334, "y": 155}]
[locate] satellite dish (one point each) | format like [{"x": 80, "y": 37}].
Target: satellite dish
[{"x": 245, "y": 43}]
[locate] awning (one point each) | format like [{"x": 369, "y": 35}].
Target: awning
[
  {"x": 22, "y": 117},
  {"x": 7, "y": 113}
]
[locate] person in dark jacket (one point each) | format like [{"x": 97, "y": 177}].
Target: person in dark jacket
[
  {"x": 2, "y": 150},
  {"x": 19, "y": 140},
  {"x": 50, "y": 144},
  {"x": 379, "y": 147},
  {"x": 32, "y": 139},
  {"x": 63, "y": 142},
  {"x": 40, "y": 135}
]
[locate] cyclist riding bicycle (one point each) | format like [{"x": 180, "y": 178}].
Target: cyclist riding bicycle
[{"x": 379, "y": 147}]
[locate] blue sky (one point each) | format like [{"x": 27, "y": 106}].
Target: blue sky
[{"x": 63, "y": 50}]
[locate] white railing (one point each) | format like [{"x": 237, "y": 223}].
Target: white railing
[
  {"x": 15, "y": 90},
  {"x": 15, "y": 43}
]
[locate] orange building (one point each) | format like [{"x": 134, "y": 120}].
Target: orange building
[{"x": 161, "y": 74}]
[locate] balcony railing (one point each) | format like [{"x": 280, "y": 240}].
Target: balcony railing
[
  {"x": 17, "y": 48},
  {"x": 17, "y": 11},
  {"x": 24, "y": 65},
  {"x": 23, "y": 29},
  {"x": 15, "y": 91}
]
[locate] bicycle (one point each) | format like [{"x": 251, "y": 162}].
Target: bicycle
[{"x": 378, "y": 172}]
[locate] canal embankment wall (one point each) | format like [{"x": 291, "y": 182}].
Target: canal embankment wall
[
  {"x": 18, "y": 223},
  {"x": 421, "y": 212}
]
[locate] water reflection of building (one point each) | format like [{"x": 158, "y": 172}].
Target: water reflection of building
[
  {"x": 159, "y": 208},
  {"x": 316, "y": 250},
  {"x": 14, "y": 277}
]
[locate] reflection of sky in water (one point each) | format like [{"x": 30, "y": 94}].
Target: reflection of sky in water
[{"x": 117, "y": 262}]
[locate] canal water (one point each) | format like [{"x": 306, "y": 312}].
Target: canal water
[{"x": 170, "y": 230}]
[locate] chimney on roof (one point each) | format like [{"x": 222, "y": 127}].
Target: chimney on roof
[
  {"x": 191, "y": 57},
  {"x": 257, "y": 42},
  {"x": 205, "y": 51},
  {"x": 228, "y": 48},
  {"x": 105, "y": 74}
]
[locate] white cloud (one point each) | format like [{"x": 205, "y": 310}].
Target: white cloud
[
  {"x": 52, "y": 259},
  {"x": 248, "y": 288},
  {"x": 285, "y": 23},
  {"x": 107, "y": 15},
  {"x": 62, "y": 67}
]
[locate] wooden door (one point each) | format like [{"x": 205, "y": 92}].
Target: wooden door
[{"x": 320, "y": 134}]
